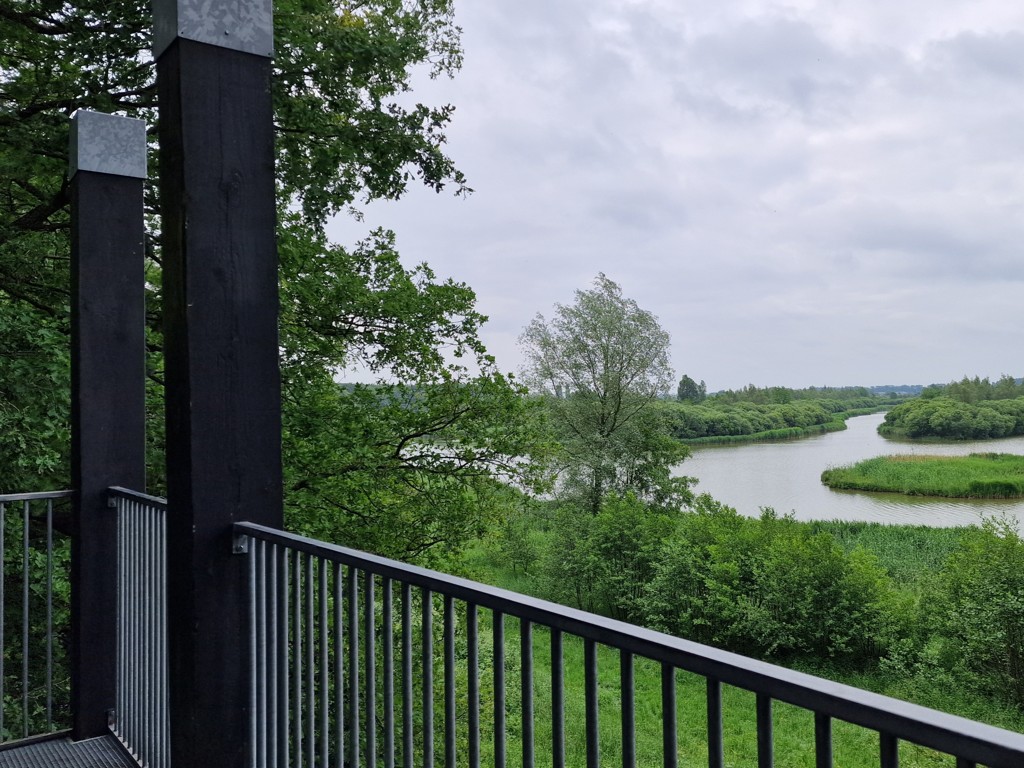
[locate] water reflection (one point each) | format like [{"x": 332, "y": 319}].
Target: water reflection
[{"x": 787, "y": 476}]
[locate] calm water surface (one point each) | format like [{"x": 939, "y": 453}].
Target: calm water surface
[{"x": 787, "y": 476}]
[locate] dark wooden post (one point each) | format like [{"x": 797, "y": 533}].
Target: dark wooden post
[
  {"x": 220, "y": 322},
  {"x": 108, "y": 409}
]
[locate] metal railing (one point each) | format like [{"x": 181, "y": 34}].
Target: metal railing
[
  {"x": 339, "y": 681},
  {"x": 34, "y": 616},
  {"x": 141, "y": 718}
]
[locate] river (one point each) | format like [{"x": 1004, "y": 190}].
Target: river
[{"x": 787, "y": 476}]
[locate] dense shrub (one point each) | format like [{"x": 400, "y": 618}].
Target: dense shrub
[
  {"x": 979, "y": 611},
  {"x": 601, "y": 562},
  {"x": 770, "y": 587},
  {"x": 944, "y": 417}
]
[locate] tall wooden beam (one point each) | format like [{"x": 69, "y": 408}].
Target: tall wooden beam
[
  {"x": 108, "y": 437},
  {"x": 220, "y": 322}
]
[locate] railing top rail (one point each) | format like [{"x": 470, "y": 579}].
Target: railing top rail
[
  {"x": 6, "y": 498},
  {"x": 951, "y": 734},
  {"x": 118, "y": 492}
]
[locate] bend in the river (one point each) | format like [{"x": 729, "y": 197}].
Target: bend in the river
[{"x": 787, "y": 476}]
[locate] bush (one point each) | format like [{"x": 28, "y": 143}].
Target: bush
[
  {"x": 602, "y": 562},
  {"x": 771, "y": 588},
  {"x": 979, "y": 610}
]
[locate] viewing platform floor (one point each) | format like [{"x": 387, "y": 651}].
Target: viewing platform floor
[{"x": 61, "y": 752}]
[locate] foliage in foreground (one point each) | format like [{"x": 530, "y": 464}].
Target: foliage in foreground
[
  {"x": 977, "y": 476},
  {"x": 347, "y": 130}
]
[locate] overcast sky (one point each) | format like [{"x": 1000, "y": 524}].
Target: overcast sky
[{"x": 804, "y": 193}]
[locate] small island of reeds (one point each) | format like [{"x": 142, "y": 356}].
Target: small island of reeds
[{"x": 977, "y": 476}]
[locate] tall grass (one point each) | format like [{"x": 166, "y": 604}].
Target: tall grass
[{"x": 977, "y": 476}]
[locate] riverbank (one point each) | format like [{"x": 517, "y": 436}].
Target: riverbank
[
  {"x": 976, "y": 476},
  {"x": 836, "y": 424}
]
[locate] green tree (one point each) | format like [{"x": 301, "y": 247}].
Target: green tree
[
  {"x": 690, "y": 391},
  {"x": 599, "y": 365}
]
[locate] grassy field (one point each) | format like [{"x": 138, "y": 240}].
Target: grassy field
[
  {"x": 911, "y": 554},
  {"x": 977, "y": 476},
  {"x": 854, "y": 747}
]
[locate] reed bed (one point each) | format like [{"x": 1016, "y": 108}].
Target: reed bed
[{"x": 977, "y": 476}]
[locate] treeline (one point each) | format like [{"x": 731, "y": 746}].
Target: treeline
[
  {"x": 953, "y": 419},
  {"x": 791, "y": 592},
  {"x": 781, "y": 395},
  {"x": 716, "y": 418},
  {"x": 976, "y": 390}
]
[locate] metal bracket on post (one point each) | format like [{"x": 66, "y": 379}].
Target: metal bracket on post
[{"x": 240, "y": 545}]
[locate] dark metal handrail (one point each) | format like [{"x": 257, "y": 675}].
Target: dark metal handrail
[
  {"x": 894, "y": 720},
  {"x": 36, "y": 685}
]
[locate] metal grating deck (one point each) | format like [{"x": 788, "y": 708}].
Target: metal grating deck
[{"x": 102, "y": 752}]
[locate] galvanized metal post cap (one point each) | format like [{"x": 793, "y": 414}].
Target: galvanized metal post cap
[
  {"x": 104, "y": 143},
  {"x": 240, "y": 25}
]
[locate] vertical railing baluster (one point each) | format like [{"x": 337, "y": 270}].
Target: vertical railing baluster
[
  {"x": 339, "y": 668},
  {"x": 427, "y": 609},
  {"x": 353, "y": 664},
  {"x": 822, "y": 741},
  {"x": 408, "y": 748},
  {"x": 499, "y": 689},
  {"x": 272, "y": 651},
  {"x": 134, "y": 710},
  {"x": 627, "y": 697},
  {"x": 370, "y": 610},
  {"x": 889, "y": 748},
  {"x": 526, "y": 683},
  {"x": 449, "y": 682},
  {"x": 590, "y": 692},
  {"x": 263, "y": 641},
  {"x": 473, "y": 682},
  {"x": 669, "y": 739},
  {"x": 49, "y": 614},
  {"x": 284, "y": 665},
  {"x": 557, "y": 700},
  {"x": 716, "y": 747},
  {"x": 325, "y": 669},
  {"x": 254, "y": 648},
  {"x": 297, "y": 659},
  {"x": 119, "y": 651},
  {"x": 311, "y": 656},
  {"x": 152, "y": 585},
  {"x": 151, "y": 641},
  {"x": 3, "y": 603},
  {"x": 765, "y": 740},
  {"x": 24, "y": 620},
  {"x": 165, "y": 727},
  {"x": 388, "y": 639}
]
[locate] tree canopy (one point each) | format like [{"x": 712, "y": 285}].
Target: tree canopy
[
  {"x": 347, "y": 131},
  {"x": 600, "y": 363}
]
